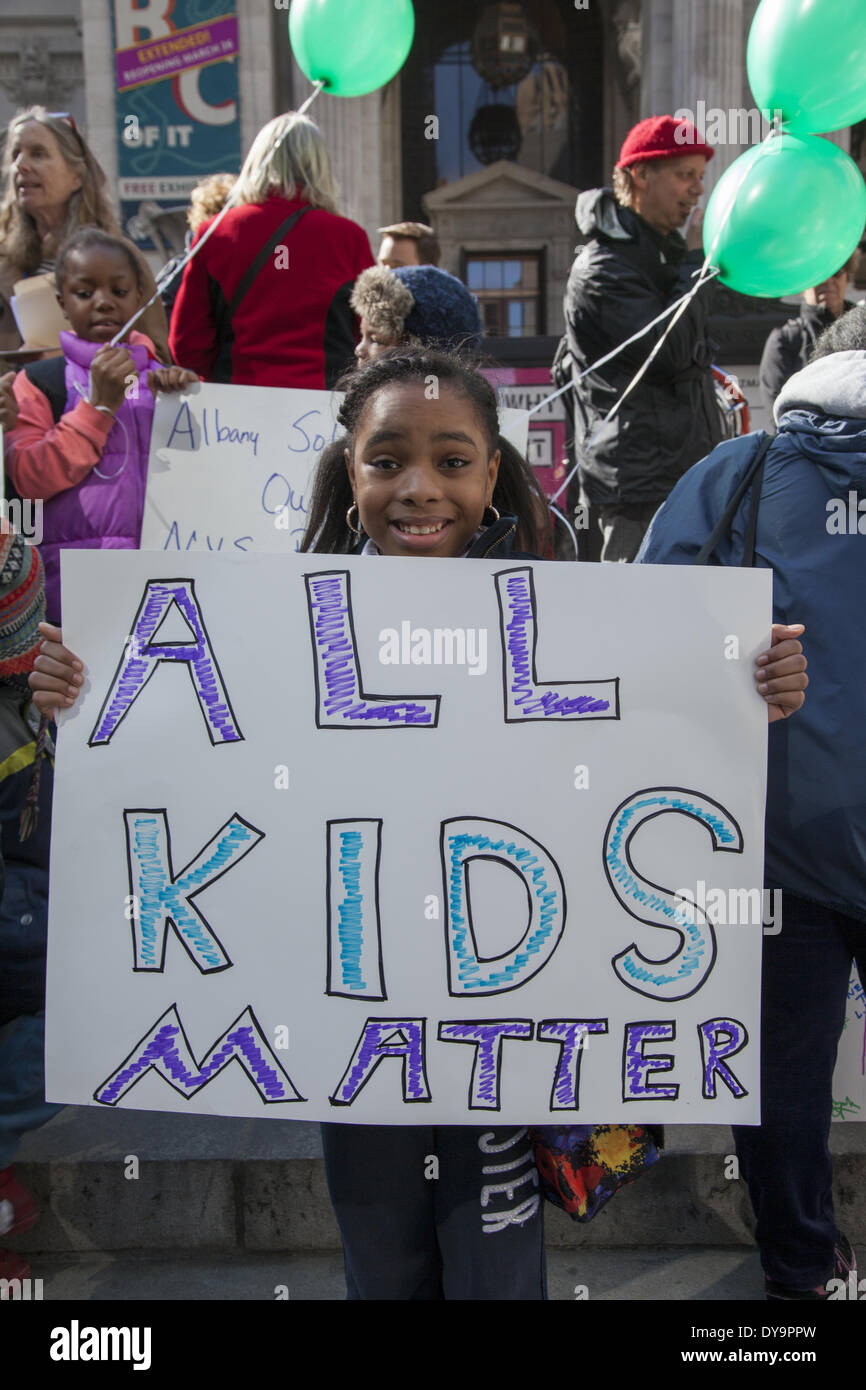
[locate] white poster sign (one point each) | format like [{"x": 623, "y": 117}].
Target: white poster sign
[
  {"x": 409, "y": 843},
  {"x": 849, "y": 1081},
  {"x": 230, "y": 466}
]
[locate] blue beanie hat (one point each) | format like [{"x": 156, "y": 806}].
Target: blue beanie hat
[{"x": 444, "y": 312}]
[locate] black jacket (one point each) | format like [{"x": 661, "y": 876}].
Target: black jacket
[
  {"x": 787, "y": 349},
  {"x": 24, "y": 906},
  {"x": 620, "y": 281}
]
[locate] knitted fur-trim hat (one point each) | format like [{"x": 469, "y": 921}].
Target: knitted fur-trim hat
[
  {"x": 445, "y": 313},
  {"x": 22, "y": 606},
  {"x": 380, "y": 298},
  {"x": 420, "y": 303}
]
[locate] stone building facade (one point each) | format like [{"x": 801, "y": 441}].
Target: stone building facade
[{"x": 501, "y": 115}]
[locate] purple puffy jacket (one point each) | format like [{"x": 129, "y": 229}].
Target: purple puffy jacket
[{"x": 104, "y": 511}]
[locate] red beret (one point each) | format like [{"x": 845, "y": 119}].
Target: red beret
[{"x": 662, "y": 137}]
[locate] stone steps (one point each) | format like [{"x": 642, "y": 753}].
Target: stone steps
[
  {"x": 600, "y": 1276},
  {"x": 258, "y": 1187}
]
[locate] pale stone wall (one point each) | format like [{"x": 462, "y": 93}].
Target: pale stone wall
[
  {"x": 41, "y": 62},
  {"x": 363, "y": 139},
  {"x": 508, "y": 208}
]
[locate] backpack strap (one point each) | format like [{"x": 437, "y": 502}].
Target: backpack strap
[
  {"x": 752, "y": 479},
  {"x": 253, "y": 269},
  {"x": 49, "y": 375}
]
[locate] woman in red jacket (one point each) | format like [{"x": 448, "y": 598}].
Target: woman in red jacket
[{"x": 266, "y": 300}]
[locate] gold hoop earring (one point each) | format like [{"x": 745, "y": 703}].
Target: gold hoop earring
[
  {"x": 356, "y": 530},
  {"x": 490, "y": 508}
]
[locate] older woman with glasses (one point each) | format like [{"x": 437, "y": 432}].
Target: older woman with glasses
[{"x": 52, "y": 185}]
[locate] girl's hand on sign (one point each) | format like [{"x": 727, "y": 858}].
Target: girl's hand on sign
[
  {"x": 780, "y": 673},
  {"x": 8, "y": 403},
  {"x": 171, "y": 379},
  {"x": 57, "y": 674}
]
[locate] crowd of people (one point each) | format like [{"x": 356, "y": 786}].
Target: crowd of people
[{"x": 285, "y": 291}]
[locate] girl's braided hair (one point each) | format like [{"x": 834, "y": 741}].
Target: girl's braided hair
[{"x": 517, "y": 492}]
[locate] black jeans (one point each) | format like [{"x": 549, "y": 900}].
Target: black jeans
[
  {"x": 446, "y": 1213},
  {"x": 786, "y": 1160}
]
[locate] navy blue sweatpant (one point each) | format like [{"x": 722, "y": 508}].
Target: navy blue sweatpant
[
  {"x": 786, "y": 1160},
  {"x": 450, "y": 1212}
]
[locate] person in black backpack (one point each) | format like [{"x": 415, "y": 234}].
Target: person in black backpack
[
  {"x": 804, "y": 518},
  {"x": 788, "y": 348}
]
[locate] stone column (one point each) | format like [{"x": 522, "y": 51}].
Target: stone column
[
  {"x": 695, "y": 52},
  {"x": 657, "y": 49},
  {"x": 255, "y": 78},
  {"x": 97, "y": 46},
  {"x": 708, "y": 66}
]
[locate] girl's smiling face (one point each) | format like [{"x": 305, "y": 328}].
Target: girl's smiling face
[{"x": 422, "y": 471}]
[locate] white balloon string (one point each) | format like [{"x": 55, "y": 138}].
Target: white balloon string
[
  {"x": 165, "y": 280},
  {"x": 678, "y": 308},
  {"x": 568, "y": 526}
]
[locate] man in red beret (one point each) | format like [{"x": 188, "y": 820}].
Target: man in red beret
[{"x": 635, "y": 264}]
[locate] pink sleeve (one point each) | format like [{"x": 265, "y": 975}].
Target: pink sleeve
[{"x": 43, "y": 458}]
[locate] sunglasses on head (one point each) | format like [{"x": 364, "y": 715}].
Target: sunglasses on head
[
  {"x": 68, "y": 119},
  {"x": 66, "y": 116}
]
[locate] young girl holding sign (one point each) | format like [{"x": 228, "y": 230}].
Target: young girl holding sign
[
  {"x": 82, "y": 438},
  {"x": 448, "y": 1212}
]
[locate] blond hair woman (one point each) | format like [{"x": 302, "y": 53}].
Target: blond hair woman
[{"x": 266, "y": 300}]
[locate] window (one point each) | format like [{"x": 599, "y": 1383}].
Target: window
[
  {"x": 508, "y": 288},
  {"x": 548, "y": 120}
]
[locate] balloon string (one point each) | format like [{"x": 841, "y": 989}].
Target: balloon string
[
  {"x": 707, "y": 272},
  {"x": 165, "y": 280},
  {"x": 608, "y": 357}
]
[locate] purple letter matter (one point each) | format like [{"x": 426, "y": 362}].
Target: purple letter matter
[
  {"x": 721, "y": 1037},
  {"x": 636, "y": 1067},
  {"x": 572, "y": 1034},
  {"x": 165, "y": 1049},
  {"x": 487, "y": 1037},
  {"x": 386, "y": 1037}
]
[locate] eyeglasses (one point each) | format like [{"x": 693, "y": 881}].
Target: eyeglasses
[{"x": 64, "y": 116}]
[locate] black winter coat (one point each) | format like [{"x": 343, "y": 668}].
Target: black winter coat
[
  {"x": 620, "y": 281},
  {"x": 787, "y": 349}
]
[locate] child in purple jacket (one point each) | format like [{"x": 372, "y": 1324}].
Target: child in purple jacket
[{"x": 82, "y": 438}]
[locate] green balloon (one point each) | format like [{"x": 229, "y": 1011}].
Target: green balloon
[
  {"x": 785, "y": 216},
  {"x": 353, "y": 46},
  {"x": 807, "y": 59}
]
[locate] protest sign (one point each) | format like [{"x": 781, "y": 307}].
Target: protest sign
[
  {"x": 230, "y": 466},
  {"x": 849, "y": 1081},
  {"x": 409, "y": 843}
]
